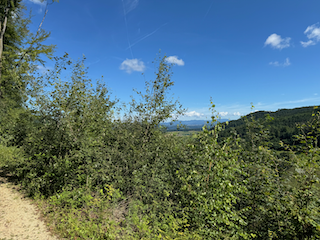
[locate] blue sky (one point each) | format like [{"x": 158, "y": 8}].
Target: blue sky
[{"x": 237, "y": 52}]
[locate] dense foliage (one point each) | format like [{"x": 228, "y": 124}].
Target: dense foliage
[{"x": 100, "y": 177}]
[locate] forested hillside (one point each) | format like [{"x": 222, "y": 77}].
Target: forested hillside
[
  {"x": 282, "y": 127},
  {"x": 98, "y": 176}
]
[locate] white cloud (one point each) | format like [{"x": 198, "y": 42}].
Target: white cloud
[
  {"x": 43, "y": 69},
  {"x": 306, "y": 44},
  {"x": 130, "y": 65},
  {"x": 40, "y": 2},
  {"x": 287, "y": 62},
  {"x": 276, "y": 41},
  {"x": 223, "y": 114},
  {"x": 194, "y": 114},
  {"x": 175, "y": 60},
  {"x": 313, "y": 34},
  {"x": 277, "y": 64}
]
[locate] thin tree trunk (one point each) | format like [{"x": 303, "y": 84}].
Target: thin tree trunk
[{"x": 3, "y": 30}]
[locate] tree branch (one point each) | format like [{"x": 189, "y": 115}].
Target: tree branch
[{"x": 38, "y": 31}]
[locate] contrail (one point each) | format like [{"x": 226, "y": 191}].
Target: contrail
[
  {"x": 125, "y": 19},
  {"x": 208, "y": 10},
  {"x": 148, "y": 35}
]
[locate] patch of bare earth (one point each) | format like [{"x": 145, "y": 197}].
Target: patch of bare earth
[{"x": 19, "y": 218}]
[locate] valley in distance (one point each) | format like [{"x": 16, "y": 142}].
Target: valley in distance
[{"x": 195, "y": 125}]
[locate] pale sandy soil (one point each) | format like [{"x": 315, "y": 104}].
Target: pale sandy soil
[{"x": 19, "y": 218}]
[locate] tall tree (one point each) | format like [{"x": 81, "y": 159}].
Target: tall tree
[
  {"x": 20, "y": 49},
  {"x": 7, "y": 10},
  {"x": 21, "y": 52}
]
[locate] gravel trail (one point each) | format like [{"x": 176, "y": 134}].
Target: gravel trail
[{"x": 19, "y": 218}]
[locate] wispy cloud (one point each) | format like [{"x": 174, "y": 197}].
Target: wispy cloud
[
  {"x": 287, "y": 62},
  {"x": 277, "y": 42},
  {"x": 129, "y": 5},
  {"x": 290, "y": 104},
  {"x": 307, "y": 44},
  {"x": 43, "y": 70},
  {"x": 194, "y": 114},
  {"x": 297, "y": 101},
  {"x": 205, "y": 114},
  {"x": 277, "y": 64},
  {"x": 229, "y": 114},
  {"x": 92, "y": 63},
  {"x": 313, "y": 34},
  {"x": 223, "y": 114},
  {"x": 131, "y": 65},
  {"x": 40, "y": 2},
  {"x": 208, "y": 9},
  {"x": 175, "y": 60}
]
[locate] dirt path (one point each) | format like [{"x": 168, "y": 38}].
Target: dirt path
[{"x": 19, "y": 218}]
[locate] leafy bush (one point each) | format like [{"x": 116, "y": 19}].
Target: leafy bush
[{"x": 79, "y": 213}]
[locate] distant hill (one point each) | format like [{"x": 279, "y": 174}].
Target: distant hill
[
  {"x": 283, "y": 127},
  {"x": 190, "y": 124}
]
